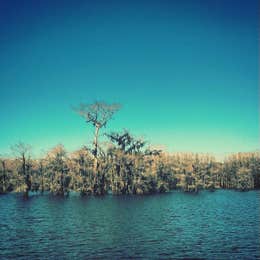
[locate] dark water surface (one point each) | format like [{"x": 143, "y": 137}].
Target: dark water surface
[{"x": 218, "y": 225}]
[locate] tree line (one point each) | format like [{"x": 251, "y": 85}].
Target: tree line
[{"x": 126, "y": 166}]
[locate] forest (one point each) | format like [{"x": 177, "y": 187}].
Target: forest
[{"x": 127, "y": 165}]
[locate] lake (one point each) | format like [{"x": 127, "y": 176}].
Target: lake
[{"x": 211, "y": 225}]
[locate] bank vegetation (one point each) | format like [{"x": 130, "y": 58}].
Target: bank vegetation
[{"x": 127, "y": 165}]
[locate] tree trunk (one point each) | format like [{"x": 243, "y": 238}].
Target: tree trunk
[
  {"x": 24, "y": 169},
  {"x": 42, "y": 182},
  {"x": 95, "y": 152},
  {"x": 62, "y": 183},
  {"x": 4, "y": 177},
  {"x": 26, "y": 193}
]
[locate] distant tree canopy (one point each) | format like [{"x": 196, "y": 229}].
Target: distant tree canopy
[
  {"x": 126, "y": 143},
  {"x": 127, "y": 171},
  {"x": 126, "y": 166}
]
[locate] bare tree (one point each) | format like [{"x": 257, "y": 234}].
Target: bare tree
[
  {"x": 97, "y": 114},
  {"x": 22, "y": 151}
]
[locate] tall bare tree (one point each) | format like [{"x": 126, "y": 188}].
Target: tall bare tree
[
  {"x": 97, "y": 114},
  {"x": 22, "y": 151}
]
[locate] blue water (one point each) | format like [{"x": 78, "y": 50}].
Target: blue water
[{"x": 218, "y": 225}]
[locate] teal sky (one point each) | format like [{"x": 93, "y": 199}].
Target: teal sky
[{"x": 185, "y": 72}]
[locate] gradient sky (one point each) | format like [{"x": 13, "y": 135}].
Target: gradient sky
[{"x": 185, "y": 72}]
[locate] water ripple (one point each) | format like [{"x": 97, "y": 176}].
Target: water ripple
[{"x": 219, "y": 225}]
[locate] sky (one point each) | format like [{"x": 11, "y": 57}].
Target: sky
[{"x": 185, "y": 72}]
